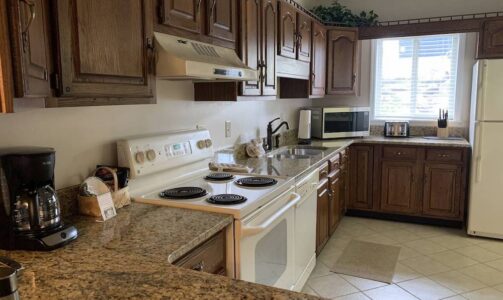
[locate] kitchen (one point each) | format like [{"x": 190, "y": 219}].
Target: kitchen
[{"x": 87, "y": 135}]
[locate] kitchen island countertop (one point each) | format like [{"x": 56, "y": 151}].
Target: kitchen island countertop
[{"x": 130, "y": 256}]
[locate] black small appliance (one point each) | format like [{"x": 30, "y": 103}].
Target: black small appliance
[{"x": 30, "y": 213}]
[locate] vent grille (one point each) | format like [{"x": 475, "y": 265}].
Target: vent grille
[{"x": 205, "y": 50}]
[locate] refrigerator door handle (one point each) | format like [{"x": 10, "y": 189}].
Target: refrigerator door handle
[{"x": 478, "y": 154}]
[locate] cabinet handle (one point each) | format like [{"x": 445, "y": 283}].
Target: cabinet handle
[
  {"x": 399, "y": 153},
  {"x": 151, "y": 55},
  {"x": 198, "y": 267},
  {"x": 443, "y": 155},
  {"x": 198, "y": 5},
  {"x": 212, "y": 8},
  {"x": 31, "y": 6},
  {"x": 354, "y": 80},
  {"x": 313, "y": 77}
]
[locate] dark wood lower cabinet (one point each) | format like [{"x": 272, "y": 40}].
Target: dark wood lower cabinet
[
  {"x": 322, "y": 219},
  {"x": 442, "y": 190},
  {"x": 399, "y": 192},
  {"x": 420, "y": 183},
  {"x": 361, "y": 182},
  {"x": 334, "y": 206},
  {"x": 209, "y": 257}
]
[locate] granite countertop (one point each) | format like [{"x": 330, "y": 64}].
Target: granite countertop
[
  {"x": 130, "y": 257},
  {"x": 298, "y": 167}
]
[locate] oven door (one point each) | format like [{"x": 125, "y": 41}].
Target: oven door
[
  {"x": 346, "y": 122},
  {"x": 267, "y": 243}
]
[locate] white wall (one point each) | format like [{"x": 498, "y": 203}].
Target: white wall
[
  {"x": 408, "y": 9},
  {"x": 84, "y": 137}
]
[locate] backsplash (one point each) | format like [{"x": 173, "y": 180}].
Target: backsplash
[{"x": 378, "y": 130}]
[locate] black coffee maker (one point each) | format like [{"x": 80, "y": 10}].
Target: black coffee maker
[{"x": 30, "y": 214}]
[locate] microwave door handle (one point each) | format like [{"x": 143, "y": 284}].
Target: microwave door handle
[{"x": 253, "y": 230}]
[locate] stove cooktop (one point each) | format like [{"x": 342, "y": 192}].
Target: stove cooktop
[{"x": 222, "y": 195}]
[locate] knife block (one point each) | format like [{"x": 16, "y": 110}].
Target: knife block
[{"x": 443, "y": 132}]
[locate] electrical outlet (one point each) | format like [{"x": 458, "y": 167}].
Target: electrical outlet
[{"x": 228, "y": 129}]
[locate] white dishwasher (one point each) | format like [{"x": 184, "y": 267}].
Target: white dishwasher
[{"x": 305, "y": 229}]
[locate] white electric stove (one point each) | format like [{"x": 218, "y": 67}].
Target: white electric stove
[{"x": 171, "y": 169}]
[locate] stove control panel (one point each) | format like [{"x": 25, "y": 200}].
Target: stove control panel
[{"x": 150, "y": 154}]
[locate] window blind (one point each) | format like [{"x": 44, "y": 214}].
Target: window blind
[{"x": 415, "y": 76}]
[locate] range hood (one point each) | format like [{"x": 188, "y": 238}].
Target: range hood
[{"x": 183, "y": 59}]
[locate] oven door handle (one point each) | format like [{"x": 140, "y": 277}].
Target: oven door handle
[{"x": 253, "y": 230}]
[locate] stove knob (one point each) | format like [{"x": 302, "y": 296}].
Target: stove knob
[
  {"x": 201, "y": 144},
  {"x": 151, "y": 155},
  {"x": 208, "y": 143},
  {"x": 140, "y": 157}
]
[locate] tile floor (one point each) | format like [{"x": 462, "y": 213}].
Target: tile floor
[{"x": 434, "y": 263}]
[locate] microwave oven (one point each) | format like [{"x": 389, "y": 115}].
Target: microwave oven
[{"x": 340, "y": 122}]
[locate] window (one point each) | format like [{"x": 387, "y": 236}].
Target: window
[{"x": 415, "y": 76}]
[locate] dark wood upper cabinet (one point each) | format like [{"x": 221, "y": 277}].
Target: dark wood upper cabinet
[
  {"x": 491, "y": 40},
  {"x": 31, "y": 52},
  {"x": 343, "y": 61},
  {"x": 443, "y": 189},
  {"x": 318, "y": 60},
  {"x": 269, "y": 45},
  {"x": 304, "y": 31},
  {"x": 361, "y": 181},
  {"x": 287, "y": 41},
  {"x": 250, "y": 42},
  {"x": 258, "y": 45},
  {"x": 184, "y": 15},
  {"x": 6, "y": 82},
  {"x": 399, "y": 191},
  {"x": 106, "y": 50},
  {"x": 222, "y": 20}
]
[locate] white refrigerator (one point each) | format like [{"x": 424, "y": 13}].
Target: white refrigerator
[{"x": 485, "y": 209}]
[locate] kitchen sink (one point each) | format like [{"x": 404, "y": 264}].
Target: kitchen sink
[
  {"x": 297, "y": 152},
  {"x": 281, "y": 156},
  {"x": 304, "y": 150}
]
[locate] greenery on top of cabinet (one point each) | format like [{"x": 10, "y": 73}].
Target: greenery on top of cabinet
[{"x": 340, "y": 14}]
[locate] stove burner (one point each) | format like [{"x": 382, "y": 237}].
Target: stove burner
[
  {"x": 183, "y": 193},
  {"x": 226, "y": 199},
  {"x": 256, "y": 181},
  {"x": 219, "y": 176}
]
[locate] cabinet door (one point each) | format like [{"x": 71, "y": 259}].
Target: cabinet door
[
  {"x": 184, "y": 15},
  {"x": 287, "y": 30},
  {"x": 30, "y": 48},
  {"x": 6, "y": 82},
  {"x": 361, "y": 182},
  {"x": 399, "y": 191},
  {"x": 491, "y": 40},
  {"x": 442, "y": 190},
  {"x": 250, "y": 12},
  {"x": 334, "y": 204},
  {"x": 304, "y": 29},
  {"x": 105, "y": 48},
  {"x": 269, "y": 46},
  {"x": 222, "y": 19},
  {"x": 319, "y": 60},
  {"x": 322, "y": 233},
  {"x": 343, "y": 61}
]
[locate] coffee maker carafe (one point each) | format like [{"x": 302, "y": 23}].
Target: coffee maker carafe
[{"x": 31, "y": 209}]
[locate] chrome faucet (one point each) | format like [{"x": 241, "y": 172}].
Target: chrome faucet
[{"x": 270, "y": 132}]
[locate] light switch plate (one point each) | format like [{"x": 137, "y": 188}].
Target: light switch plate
[{"x": 228, "y": 132}]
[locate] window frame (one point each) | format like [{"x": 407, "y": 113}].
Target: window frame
[{"x": 460, "y": 77}]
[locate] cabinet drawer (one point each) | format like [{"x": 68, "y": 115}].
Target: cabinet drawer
[
  {"x": 444, "y": 154},
  {"x": 324, "y": 169},
  {"x": 399, "y": 153},
  {"x": 334, "y": 162},
  {"x": 208, "y": 257}
]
